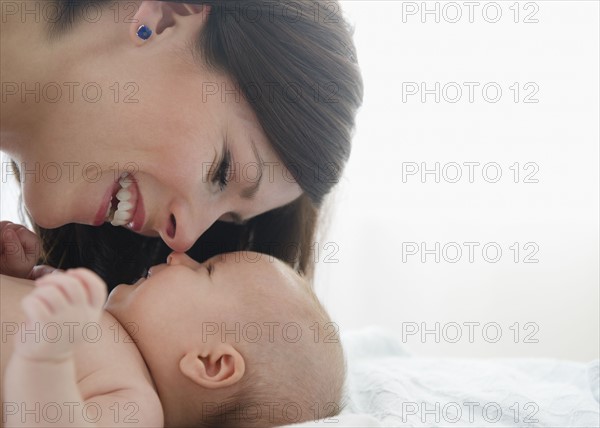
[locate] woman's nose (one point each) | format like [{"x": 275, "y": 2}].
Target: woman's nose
[
  {"x": 185, "y": 226},
  {"x": 175, "y": 259}
]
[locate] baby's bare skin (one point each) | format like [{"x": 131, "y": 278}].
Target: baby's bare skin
[
  {"x": 104, "y": 370},
  {"x": 178, "y": 355}
]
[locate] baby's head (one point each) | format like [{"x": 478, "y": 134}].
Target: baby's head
[{"x": 239, "y": 340}]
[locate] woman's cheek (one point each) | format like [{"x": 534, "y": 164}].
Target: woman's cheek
[{"x": 43, "y": 204}]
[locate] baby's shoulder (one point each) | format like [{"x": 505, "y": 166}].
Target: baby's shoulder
[
  {"x": 108, "y": 360},
  {"x": 112, "y": 375}
]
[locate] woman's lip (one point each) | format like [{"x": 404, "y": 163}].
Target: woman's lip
[{"x": 101, "y": 214}]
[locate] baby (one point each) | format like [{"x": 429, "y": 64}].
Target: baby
[{"x": 239, "y": 340}]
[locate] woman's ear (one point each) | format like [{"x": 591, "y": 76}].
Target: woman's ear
[
  {"x": 161, "y": 16},
  {"x": 213, "y": 368}
]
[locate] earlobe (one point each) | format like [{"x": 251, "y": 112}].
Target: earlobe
[
  {"x": 148, "y": 15},
  {"x": 215, "y": 368},
  {"x": 158, "y": 16}
]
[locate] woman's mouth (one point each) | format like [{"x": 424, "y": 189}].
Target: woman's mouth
[{"x": 126, "y": 206}]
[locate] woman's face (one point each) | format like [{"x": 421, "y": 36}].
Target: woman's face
[{"x": 185, "y": 143}]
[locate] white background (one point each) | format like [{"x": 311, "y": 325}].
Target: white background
[
  {"x": 375, "y": 212},
  {"x": 361, "y": 274}
]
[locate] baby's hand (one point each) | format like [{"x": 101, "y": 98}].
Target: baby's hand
[
  {"x": 20, "y": 249},
  {"x": 62, "y": 303}
]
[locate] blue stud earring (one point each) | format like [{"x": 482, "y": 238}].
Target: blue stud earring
[{"x": 144, "y": 32}]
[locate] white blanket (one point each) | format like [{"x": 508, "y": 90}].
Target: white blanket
[{"x": 388, "y": 387}]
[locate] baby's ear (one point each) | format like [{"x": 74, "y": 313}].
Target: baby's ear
[{"x": 213, "y": 367}]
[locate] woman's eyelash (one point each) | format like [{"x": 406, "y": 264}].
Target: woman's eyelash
[{"x": 222, "y": 175}]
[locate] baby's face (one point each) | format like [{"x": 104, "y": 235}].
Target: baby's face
[
  {"x": 182, "y": 294},
  {"x": 178, "y": 307}
]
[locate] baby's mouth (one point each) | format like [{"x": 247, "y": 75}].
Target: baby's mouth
[{"x": 122, "y": 206}]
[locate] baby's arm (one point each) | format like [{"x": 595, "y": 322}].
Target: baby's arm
[{"x": 42, "y": 372}]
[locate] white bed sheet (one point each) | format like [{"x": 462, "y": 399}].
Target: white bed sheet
[{"x": 388, "y": 387}]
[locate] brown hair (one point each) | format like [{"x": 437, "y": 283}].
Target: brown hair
[{"x": 295, "y": 63}]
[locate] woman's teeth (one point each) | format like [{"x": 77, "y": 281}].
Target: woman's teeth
[{"x": 123, "y": 213}]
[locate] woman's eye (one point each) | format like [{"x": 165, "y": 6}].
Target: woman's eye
[{"x": 222, "y": 176}]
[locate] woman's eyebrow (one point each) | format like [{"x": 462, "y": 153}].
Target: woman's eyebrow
[{"x": 250, "y": 192}]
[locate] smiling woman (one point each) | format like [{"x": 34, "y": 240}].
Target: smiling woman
[{"x": 214, "y": 126}]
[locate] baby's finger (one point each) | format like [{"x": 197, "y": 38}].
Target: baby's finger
[
  {"x": 53, "y": 297},
  {"x": 10, "y": 226},
  {"x": 41, "y": 270},
  {"x": 12, "y": 254},
  {"x": 9, "y": 238},
  {"x": 7, "y": 225},
  {"x": 72, "y": 289},
  {"x": 36, "y": 307},
  {"x": 95, "y": 286},
  {"x": 31, "y": 243}
]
